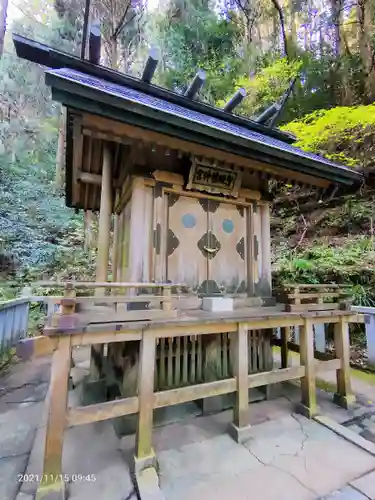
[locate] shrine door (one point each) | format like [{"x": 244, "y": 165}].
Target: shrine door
[{"x": 206, "y": 245}]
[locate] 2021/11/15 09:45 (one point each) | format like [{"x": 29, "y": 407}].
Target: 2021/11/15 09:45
[{"x": 52, "y": 478}]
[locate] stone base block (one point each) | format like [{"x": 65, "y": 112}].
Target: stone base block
[
  {"x": 216, "y": 404},
  {"x": 55, "y": 491},
  {"x": 145, "y": 462},
  {"x": 269, "y": 301},
  {"x": 344, "y": 401},
  {"x": 306, "y": 411},
  {"x": 148, "y": 485},
  {"x": 93, "y": 392},
  {"x": 123, "y": 426},
  {"x": 217, "y": 304},
  {"x": 239, "y": 434}
]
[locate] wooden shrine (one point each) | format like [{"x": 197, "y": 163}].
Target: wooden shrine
[{"x": 182, "y": 307}]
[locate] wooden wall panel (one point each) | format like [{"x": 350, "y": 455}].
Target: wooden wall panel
[
  {"x": 124, "y": 252},
  {"x": 140, "y": 231},
  {"x": 187, "y": 223},
  {"x": 266, "y": 276},
  {"x": 119, "y": 244},
  {"x": 159, "y": 229},
  {"x": 147, "y": 238},
  {"x": 228, "y": 268},
  {"x": 257, "y": 246}
]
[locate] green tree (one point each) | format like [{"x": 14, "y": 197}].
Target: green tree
[{"x": 198, "y": 38}]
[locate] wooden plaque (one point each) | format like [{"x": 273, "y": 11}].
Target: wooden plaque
[{"x": 214, "y": 179}]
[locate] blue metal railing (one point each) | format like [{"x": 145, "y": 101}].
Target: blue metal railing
[
  {"x": 14, "y": 319},
  {"x": 320, "y": 332},
  {"x": 369, "y": 313}
]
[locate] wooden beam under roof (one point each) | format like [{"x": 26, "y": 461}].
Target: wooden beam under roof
[
  {"x": 77, "y": 156},
  {"x": 148, "y": 136},
  {"x": 95, "y": 179}
]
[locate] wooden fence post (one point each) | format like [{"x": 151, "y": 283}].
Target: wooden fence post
[
  {"x": 144, "y": 453},
  {"x": 308, "y": 406},
  {"x": 344, "y": 396},
  {"x": 241, "y": 422},
  {"x": 167, "y": 298},
  {"x": 370, "y": 336},
  {"x": 285, "y": 334},
  {"x": 52, "y": 482}
]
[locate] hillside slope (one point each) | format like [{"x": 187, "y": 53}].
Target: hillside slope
[{"x": 316, "y": 242}]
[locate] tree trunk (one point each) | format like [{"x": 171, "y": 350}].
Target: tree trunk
[
  {"x": 293, "y": 29},
  {"x": 113, "y": 54},
  {"x": 3, "y": 24},
  {"x": 60, "y": 153},
  {"x": 88, "y": 230},
  {"x": 342, "y": 87},
  {"x": 366, "y": 51},
  {"x": 85, "y": 30},
  {"x": 282, "y": 26}
]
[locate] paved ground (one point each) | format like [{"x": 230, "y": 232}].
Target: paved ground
[
  {"x": 361, "y": 419},
  {"x": 22, "y": 392},
  {"x": 286, "y": 457}
]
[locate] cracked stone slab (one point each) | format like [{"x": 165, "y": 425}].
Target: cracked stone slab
[
  {"x": 347, "y": 493},
  {"x": 311, "y": 453},
  {"x": 369, "y": 435},
  {"x": 24, "y": 496},
  {"x": 10, "y": 468},
  {"x": 265, "y": 483},
  {"x": 355, "y": 428},
  {"x": 89, "y": 450},
  {"x": 17, "y": 429},
  {"x": 366, "y": 485},
  {"x": 30, "y": 392}
]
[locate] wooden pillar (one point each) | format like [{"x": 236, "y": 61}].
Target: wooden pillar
[
  {"x": 51, "y": 481},
  {"x": 116, "y": 235},
  {"x": 241, "y": 423},
  {"x": 167, "y": 298},
  {"x": 285, "y": 334},
  {"x": 102, "y": 258},
  {"x": 250, "y": 252},
  {"x": 144, "y": 453},
  {"x": 344, "y": 396},
  {"x": 308, "y": 387},
  {"x": 266, "y": 276},
  {"x": 137, "y": 231},
  {"x": 104, "y": 221},
  {"x": 159, "y": 234}
]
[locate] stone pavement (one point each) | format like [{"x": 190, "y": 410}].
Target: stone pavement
[
  {"x": 361, "y": 418},
  {"x": 23, "y": 389},
  {"x": 287, "y": 456}
]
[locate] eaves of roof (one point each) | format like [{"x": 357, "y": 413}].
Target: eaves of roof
[
  {"x": 55, "y": 59},
  {"x": 126, "y": 105}
]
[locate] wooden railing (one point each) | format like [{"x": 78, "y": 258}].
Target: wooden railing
[
  {"x": 101, "y": 307},
  {"x": 309, "y": 297},
  {"x": 328, "y": 297},
  {"x": 61, "y": 339}
]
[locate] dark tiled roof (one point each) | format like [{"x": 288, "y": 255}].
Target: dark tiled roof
[
  {"x": 189, "y": 115},
  {"x": 40, "y": 53}
]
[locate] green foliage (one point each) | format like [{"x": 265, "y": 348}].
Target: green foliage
[
  {"x": 350, "y": 263},
  {"x": 332, "y": 125},
  {"x": 201, "y": 40},
  {"x": 266, "y": 87}
]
